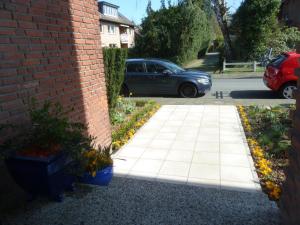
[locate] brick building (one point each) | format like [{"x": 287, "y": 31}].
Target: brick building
[
  {"x": 51, "y": 50},
  {"x": 116, "y": 30}
]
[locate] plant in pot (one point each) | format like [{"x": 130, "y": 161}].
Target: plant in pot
[
  {"x": 98, "y": 166},
  {"x": 43, "y": 155}
]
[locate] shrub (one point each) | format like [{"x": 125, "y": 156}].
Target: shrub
[
  {"x": 257, "y": 29},
  {"x": 114, "y": 66},
  {"x": 271, "y": 127},
  {"x": 179, "y": 33}
]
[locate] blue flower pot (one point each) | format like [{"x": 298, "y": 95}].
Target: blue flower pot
[
  {"x": 42, "y": 176},
  {"x": 102, "y": 178}
]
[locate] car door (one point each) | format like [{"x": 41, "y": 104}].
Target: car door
[
  {"x": 161, "y": 82},
  {"x": 135, "y": 77}
]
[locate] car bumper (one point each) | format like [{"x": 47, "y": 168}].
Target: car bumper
[
  {"x": 204, "y": 88},
  {"x": 272, "y": 83}
]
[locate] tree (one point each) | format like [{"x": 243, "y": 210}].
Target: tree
[
  {"x": 221, "y": 11},
  {"x": 257, "y": 28},
  {"x": 178, "y": 32}
]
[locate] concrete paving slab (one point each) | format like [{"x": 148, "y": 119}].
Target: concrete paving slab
[{"x": 208, "y": 147}]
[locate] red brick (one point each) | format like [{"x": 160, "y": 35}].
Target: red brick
[
  {"x": 5, "y": 14},
  {"x": 8, "y": 23},
  {"x": 47, "y": 67},
  {"x": 27, "y": 25},
  {"x": 34, "y": 33},
  {"x": 7, "y": 31}
]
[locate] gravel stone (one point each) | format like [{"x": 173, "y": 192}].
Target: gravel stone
[{"x": 138, "y": 202}]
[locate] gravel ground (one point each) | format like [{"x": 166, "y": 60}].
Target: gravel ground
[{"x": 138, "y": 202}]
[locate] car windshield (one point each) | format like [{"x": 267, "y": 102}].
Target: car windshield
[
  {"x": 278, "y": 60},
  {"x": 173, "y": 67}
]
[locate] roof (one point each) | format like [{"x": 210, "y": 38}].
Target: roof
[
  {"x": 121, "y": 19},
  {"x": 108, "y": 4},
  {"x": 147, "y": 59}
]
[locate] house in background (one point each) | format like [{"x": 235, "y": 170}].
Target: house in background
[
  {"x": 116, "y": 30},
  {"x": 290, "y": 12}
]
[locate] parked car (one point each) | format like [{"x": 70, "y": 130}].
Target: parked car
[
  {"x": 162, "y": 77},
  {"x": 280, "y": 74}
]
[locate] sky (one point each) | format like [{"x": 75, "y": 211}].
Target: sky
[{"x": 135, "y": 10}]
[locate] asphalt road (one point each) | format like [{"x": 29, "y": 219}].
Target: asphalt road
[{"x": 246, "y": 91}]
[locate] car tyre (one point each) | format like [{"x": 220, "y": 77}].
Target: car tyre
[
  {"x": 125, "y": 91},
  {"x": 287, "y": 90},
  {"x": 188, "y": 91}
]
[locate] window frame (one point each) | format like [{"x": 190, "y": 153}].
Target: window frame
[
  {"x": 137, "y": 62},
  {"x": 155, "y": 63}
]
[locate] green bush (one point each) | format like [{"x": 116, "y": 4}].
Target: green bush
[
  {"x": 114, "y": 66},
  {"x": 179, "y": 32},
  {"x": 271, "y": 126},
  {"x": 257, "y": 29}
]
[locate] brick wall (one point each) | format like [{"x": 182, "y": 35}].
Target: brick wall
[
  {"x": 290, "y": 200},
  {"x": 51, "y": 49}
]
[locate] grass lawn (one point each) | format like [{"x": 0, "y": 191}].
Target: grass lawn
[
  {"x": 210, "y": 63},
  {"x": 267, "y": 132}
]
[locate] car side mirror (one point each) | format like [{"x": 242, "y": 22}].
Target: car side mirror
[{"x": 167, "y": 72}]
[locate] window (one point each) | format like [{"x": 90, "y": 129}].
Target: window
[
  {"x": 102, "y": 28},
  {"x": 136, "y": 67},
  {"x": 111, "y": 29},
  {"x": 107, "y": 10},
  {"x": 155, "y": 68},
  {"x": 278, "y": 60},
  {"x": 112, "y": 45}
]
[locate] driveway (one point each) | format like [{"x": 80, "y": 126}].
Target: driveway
[
  {"x": 230, "y": 91},
  {"x": 193, "y": 145}
]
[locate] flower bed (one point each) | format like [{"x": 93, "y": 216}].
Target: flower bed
[
  {"x": 123, "y": 131},
  {"x": 267, "y": 135}
]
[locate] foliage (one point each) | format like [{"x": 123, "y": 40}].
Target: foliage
[
  {"x": 114, "y": 66},
  {"x": 177, "y": 32},
  {"x": 271, "y": 126},
  {"x": 49, "y": 132},
  {"x": 123, "y": 108},
  {"x": 126, "y": 131},
  {"x": 94, "y": 160},
  {"x": 268, "y": 163},
  {"x": 257, "y": 29}
]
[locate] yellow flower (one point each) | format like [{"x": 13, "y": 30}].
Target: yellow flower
[{"x": 276, "y": 192}]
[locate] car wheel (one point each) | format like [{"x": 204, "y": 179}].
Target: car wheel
[
  {"x": 287, "y": 90},
  {"x": 125, "y": 91},
  {"x": 188, "y": 91}
]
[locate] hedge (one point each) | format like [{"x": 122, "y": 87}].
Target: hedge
[{"x": 114, "y": 67}]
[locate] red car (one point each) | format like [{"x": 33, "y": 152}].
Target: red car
[{"x": 280, "y": 74}]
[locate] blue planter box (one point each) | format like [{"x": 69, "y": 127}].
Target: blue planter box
[
  {"x": 42, "y": 176},
  {"x": 102, "y": 178}
]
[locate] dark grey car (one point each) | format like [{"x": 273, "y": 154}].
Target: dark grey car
[{"x": 162, "y": 77}]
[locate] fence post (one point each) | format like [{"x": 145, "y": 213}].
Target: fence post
[
  {"x": 224, "y": 65},
  {"x": 254, "y": 66}
]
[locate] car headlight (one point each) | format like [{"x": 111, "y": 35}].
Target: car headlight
[{"x": 203, "y": 80}]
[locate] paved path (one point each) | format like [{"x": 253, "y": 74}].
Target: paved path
[
  {"x": 196, "y": 145},
  {"x": 201, "y": 160}
]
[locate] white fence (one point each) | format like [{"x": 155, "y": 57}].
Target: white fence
[{"x": 253, "y": 64}]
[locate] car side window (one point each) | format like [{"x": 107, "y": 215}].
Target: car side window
[
  {"x": 135, "y": 67},
  {"x": 155, "y": 68}
]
